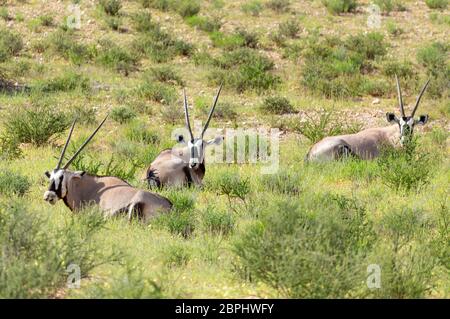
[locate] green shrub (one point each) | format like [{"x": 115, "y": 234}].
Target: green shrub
[
  {"x": 289, "y": 28},
  {"x": 35, "y": 124},
  {"x": 253, "y": 7},
  {"x": 9, "y": 147},
  {"x": 84, "y": 114},
  {"x": 277, "y": 105},
  {"x": 434, "y": 58},
  {"x": 10, "y": 44},
  {"x": 142, "y": 21},
  {"x": 165, "y": 73},
  {"x": 69, "y": 81},
  {"x": 232, "y": 186},
  {"x": 278, "y": 5},
  {"x": 315, "y": 129},
  {"x": 224, "y": 110},
  {"x": 111, "y": 7},
  {"x": 405, "y": 169},
  {"x": 387, "y": 6},
  {"x": 156, "y": 91},
  {"x": 4, "y": 14},
  {"x": 313, "y": 248},
  {"x": 283, "y": 182},
  {"x": 65, "y": 44},
  {"x": 114, "y": 23},
  {"x": 35, "y": 255},
  {"x": 437, "y": 4},
  {"x": 403, "y": 69},
  {"x": 335, "y": 67},
  {"x": 207, "y": 24},
  {"x": 12, "y": 183},
  {"x": 340, "y": 6},
  {"x": 406, "y": 254},
  {"x": 112, "y": 56},
  {"x": 176, "y": 255},
  {"x": 181, "y": 220},
  {"x": 217, "y": 221},
  {"x": 244, "y": 69},
  {"x": 160, "y": 46},
  {"x": 139, "y": 132},
  {"x": 186, "y": 8},
  {"x": 122, "y": 114},
  {"x": 162, "y": 5},
  {"x": 393, "y": 28}
]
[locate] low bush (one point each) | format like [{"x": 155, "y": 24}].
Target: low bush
[
  {"x": 217, "y": 221},
  {"x": 244, "y": 69},
  {"x": 12, "y": 183},
  {"x": 314, "y": 248},
  {"x": 278, "y": 5},
  {"x": 165, "y": 73},
  {"x": 176, "y": 255},
  {"x": 115, "y": 57},
  {"x": 437, "y": 4},
  {"x": 340, "y": 6},
  {"x": 160, "y": 46},
  {"x": 142, "y": 21},
  {"x": 35, "y": 124},
  {"x": 122, "y": 114},
  {"x": 37, "y": 258},
  {"x": 204, "y": 23},
  {"x": 156, "y": 91},
  {"x": 406, "y": 169},
  {"x": 68, "y": 81},
  {"x": 326, "y": 124},
  {"x": 277, "y": 105},
  {"x": 253, "y": 7},
  {"x": 64, "y": 43},
  {"x": 10, "y": 44},
  {"x": 111, "y": 7}
]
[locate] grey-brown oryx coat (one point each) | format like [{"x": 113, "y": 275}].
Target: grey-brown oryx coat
[
  {"x": 368, "y": 143},
  {"x": 111, "y": 194}
]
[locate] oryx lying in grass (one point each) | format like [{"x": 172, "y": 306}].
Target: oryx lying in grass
[
  {"x": 367, "y": 143},
  {"x": 113, "y": 195},
  {"x": 186, "y": 165}
]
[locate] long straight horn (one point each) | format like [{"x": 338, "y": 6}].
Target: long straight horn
[
  {"x": 419, "y": 97},
  {"x": 65, "y": 145},
  {"x": 400, "y": 99},
  {"x": 186, "y": 114},
  {"x": 85, "y": 143},
  {"x": 212, "y": 110}
]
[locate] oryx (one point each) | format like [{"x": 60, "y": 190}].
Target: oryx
[
  {"x": 185, "y": 165},
  {"x": 113, "y": 195},
  {"x": 367, "y": 143}
]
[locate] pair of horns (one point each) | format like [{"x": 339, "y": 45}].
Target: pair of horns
[
  {"x": 186, "y": 113},
  {"x": 400, "y": 99},
  {"x": 81, "y": 147}
]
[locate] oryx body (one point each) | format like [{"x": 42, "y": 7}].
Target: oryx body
[
  {"x": 183, "y": 165},
  {"x": 111, "y": 194},
  {"x": 368, "y": 143}
]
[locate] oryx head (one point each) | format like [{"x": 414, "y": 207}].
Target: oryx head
[
  {"x": 196, "y": 146},
  {"x": 60, "y": 176},
  {"x": 406, "y": 123}
]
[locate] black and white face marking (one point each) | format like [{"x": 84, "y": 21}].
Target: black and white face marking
[
  {"x": 196, "y": 149},
  {"x": 56, "y": 189},
  {"x": 406, "y": 124}
]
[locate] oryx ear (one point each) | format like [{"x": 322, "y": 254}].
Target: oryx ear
[
  {"x": 47, "y": 173},
  {"x": 180, "y": 139},
  {"x": 217, "y": 140},
  {"x": 422, "y": 119},
  {"x": 79, "y": 174},
  {"x": 391, "y": 117}
]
